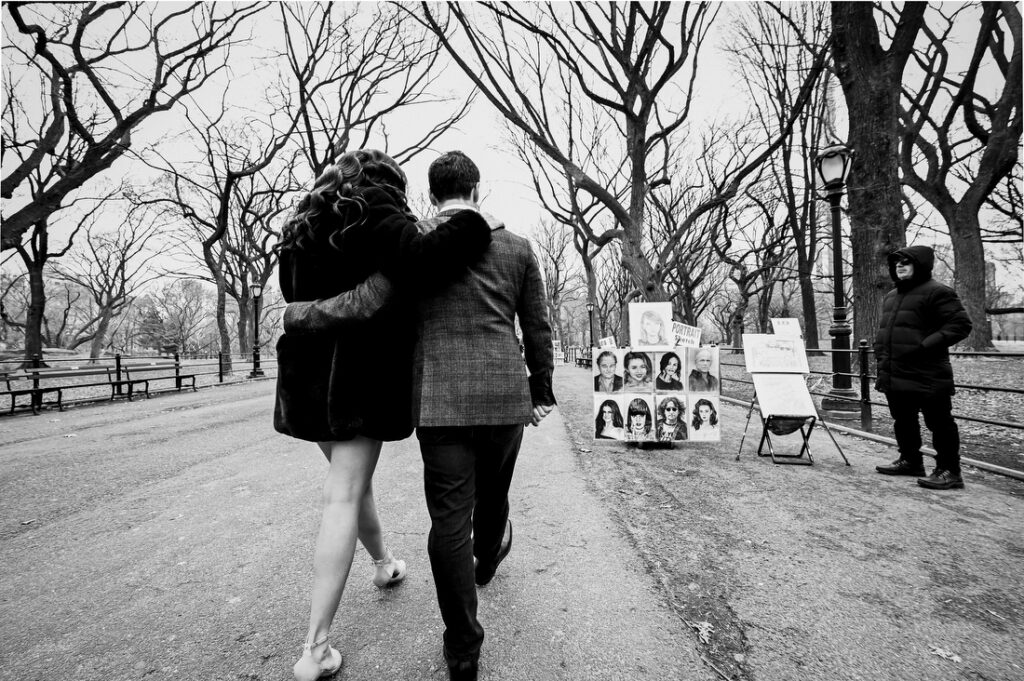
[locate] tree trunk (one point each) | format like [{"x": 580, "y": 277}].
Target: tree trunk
[
  {"x": 871, "y": 79},
  {"x": 96, "y": 347},
  {"x": 971, "y": 281},
  {"x": 736, "y": 321},
  {"x": 36, "y": 308},
  {"x": 222, "y": 324},
  {"x": 245, "y": 323}
]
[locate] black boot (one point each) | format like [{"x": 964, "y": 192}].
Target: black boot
[
  {"x": 943, "y": 479},
  {"x": 902, "y": 467}
]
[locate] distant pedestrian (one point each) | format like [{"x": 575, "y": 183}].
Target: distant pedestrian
[{"x": 921, "y": 320}]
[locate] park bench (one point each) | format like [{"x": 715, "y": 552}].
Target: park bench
[
  {"x": 22, "y": 383},
  {"x": 142, "y": 374}
]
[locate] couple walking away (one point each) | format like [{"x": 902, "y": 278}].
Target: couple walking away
[{"x": 391, "y": 325}]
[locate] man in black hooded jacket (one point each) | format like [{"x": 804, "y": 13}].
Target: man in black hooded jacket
[{"x": 921, "y": 319}]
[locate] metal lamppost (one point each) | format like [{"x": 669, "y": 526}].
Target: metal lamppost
[
  {"x": 590, "y": 315},
  {"x": 257, "y": 294},
  {"x": 833, "y": 165}
]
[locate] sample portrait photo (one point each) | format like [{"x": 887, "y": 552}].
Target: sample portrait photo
[
  {"x": 668, "y": 371},
  {"x": 650, "y": 325},
  {"x": 670, "y": 420},
  {"x": 639, "y": 418},
  {"x": 703, "y": 376},
  {"x": 609, "y": 421},
  {"x": 607, "y": 370},
  {"x": 637, "y": 371},
  {"x": 704, "y": 424}
]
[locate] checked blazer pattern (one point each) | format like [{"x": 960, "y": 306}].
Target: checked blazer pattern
[{"x": 467, "y": 368}]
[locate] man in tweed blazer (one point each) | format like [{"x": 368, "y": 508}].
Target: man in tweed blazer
[{"x": 471, "y": 399}]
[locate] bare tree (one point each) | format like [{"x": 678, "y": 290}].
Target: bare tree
[
  {"x": 623, "y": 59},
  {"x": 754, "y": 247},
  {"x": 771, "y": 51},
  {"x": 553, "y": 244},
  {"x": 36, "y": 254},
  {"x": 110, "y": 268},
  {"x": 205, "y": 195},
  {"x": 104, "y": 69},
  {"x": 353, "y": 71},
  {"x": 955, "y": 140},
  {"x": 184, "y": 308}
]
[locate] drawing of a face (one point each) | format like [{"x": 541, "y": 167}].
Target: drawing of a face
[
  {"x": 637, "y": 369},
  {"x": 671, "y": 366},
  {"x": 704, "y": 411},
  {"x": 637, "y": 421},
  {"x": 671, "y": 413},
  {"x": 703, "y": 361},
  {"x": 607, "y": 366},
  {"x": 651, "y": 327},
  {"x": 607, "y": 415}
]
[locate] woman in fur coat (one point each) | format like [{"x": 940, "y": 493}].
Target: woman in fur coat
[{"x": 350, "y": 391}]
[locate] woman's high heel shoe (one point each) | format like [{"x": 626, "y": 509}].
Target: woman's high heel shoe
[
  {"x": 389, "y": 571},
  {"x": 309, "y": 668}
]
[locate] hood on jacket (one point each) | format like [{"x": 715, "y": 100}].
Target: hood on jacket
[{"x": 923, "y": 258}]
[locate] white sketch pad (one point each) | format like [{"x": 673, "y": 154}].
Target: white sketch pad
[{"x": 783, "y": 395}]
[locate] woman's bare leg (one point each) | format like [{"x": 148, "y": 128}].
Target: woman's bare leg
[
  {"x": 370, "y": 533},
  {"x": 348, "y": 480}
]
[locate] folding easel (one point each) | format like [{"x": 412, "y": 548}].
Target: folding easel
[{"x": 784, "y": 424}]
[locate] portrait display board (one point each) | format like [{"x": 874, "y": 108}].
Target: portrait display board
[
  {"x": 769, "y": 354},
  {"x": 663, "y": 394},
  {"x": 650, "y": 325}
]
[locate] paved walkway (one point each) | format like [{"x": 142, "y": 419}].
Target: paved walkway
[{"x": 171, "y": 539}]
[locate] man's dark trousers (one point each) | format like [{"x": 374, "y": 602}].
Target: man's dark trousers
[
  {"x": 937, "y": 409},
  {"x": 467, "y": 471}
]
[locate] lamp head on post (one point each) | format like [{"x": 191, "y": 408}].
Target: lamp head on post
[
  {"x": 590, "y": 307},
  {"x": 257, "y": 290},
  {"x": 833, "y": 166}
]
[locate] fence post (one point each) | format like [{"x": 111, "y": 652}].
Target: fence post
[
  {"x": 865, "y": 387},
  {"x": 117, "y": 368},
  {"x": 37, "y": 363},
  {"x": 220, "y": 367},
  {"x": 177, "y": 371}
]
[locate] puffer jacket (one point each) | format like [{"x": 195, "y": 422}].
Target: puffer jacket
[{"x": 921, "y": 319}]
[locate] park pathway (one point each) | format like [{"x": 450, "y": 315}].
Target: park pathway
[{"x": 171, "y": 539}]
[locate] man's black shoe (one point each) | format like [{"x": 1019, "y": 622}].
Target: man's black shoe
[
  {"x": 485, "y": 571},
  {"x": 464, "y": 669},
  {"x": 942, "y": 479},
  {"x": 902, "y": 467}
]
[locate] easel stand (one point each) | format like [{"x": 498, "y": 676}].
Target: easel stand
[{"x": 784, "y": 424}]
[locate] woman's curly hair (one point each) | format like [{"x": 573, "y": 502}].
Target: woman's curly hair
[{"x": 336, "y": 194}]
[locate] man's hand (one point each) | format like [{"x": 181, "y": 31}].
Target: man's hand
[{"x": 539, "y": 412}]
